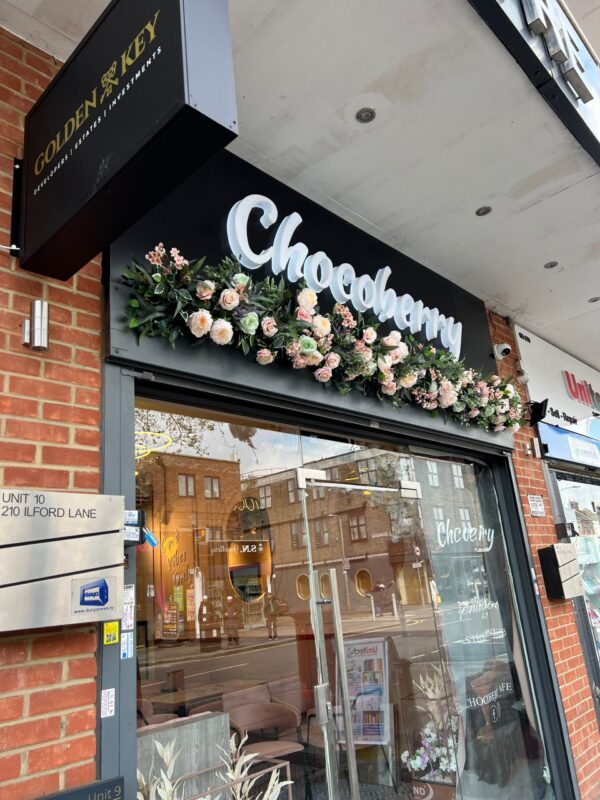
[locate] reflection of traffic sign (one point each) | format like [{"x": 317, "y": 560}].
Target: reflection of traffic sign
[
  {"x": 417, "y": 551},
  {"x": 417, "y": 564}
]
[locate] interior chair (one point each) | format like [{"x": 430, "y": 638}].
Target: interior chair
[{"x": 146, "y": 715}]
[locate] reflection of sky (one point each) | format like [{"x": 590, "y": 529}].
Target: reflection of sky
[{"x": 269, "y": 451}]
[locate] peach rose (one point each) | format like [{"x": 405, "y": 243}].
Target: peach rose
[
  {"x": 323, "y": 374},
  {"x": 393, "y": 339},
  {"x": 321, "y": 325},
  {"x": 369, "y": 335},
  {"x": 307, "y": 299},
  {"x": 264, "y": 356},
  {"x": 221, "y": 331},
  {"x": 205, "y": 290},
  {"x": 408, "y": 381},
  {"x": 199, "y": 322},
  {"x": 389, "y": 387},
  {"x": 332, "y": 361},
  {"x": 269, "y": 327}
]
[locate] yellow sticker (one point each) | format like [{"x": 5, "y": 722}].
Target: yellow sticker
[{"x": 111, "y": 633}]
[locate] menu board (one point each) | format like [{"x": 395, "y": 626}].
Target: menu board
[
  {"x": 368, "y": 688},
  {"x": 171, "y": 615}
]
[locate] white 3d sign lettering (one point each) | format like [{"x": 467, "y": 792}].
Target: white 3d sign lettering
[{"x": 364, "y": 293}]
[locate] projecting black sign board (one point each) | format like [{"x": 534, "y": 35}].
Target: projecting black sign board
[
  {"x": 146, "y": 98},
  {"x": 112, "y": 789}
]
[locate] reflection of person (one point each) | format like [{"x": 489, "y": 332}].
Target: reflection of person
[
  {"x": 206, "y": 617},
  {"x": 433, "y": 591},
  {"x": 232, "y": 620},
  {"x": 270, "y": 609}
]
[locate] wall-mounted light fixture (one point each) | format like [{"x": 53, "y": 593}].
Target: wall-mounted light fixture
[{"x": 35, "y": 329}]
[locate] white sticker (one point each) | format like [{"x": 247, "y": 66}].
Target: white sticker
[
  {"x": 127, "y": 644},
  {"x": 107, "y": 703},
  {"x": 127, "y": 621},
  {"x": 536, "y": 505}
]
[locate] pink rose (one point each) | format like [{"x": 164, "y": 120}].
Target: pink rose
[
  {"x": 389, "y": 387},
  {"x": 303, "y": 315},
  {"x": 369, "y": 335},
  {"x": 399, "y": 353},
  {"x": 393, "y": 339},
  {"x": 474, "y": 412},
  {"x": 332, "y": 361},
  {"x": 299, "y": 362},
  {"x": 264, "y": 356},
  {"x": 229, "y": 299},
  {"x": 205, "y": 290},
  {"x": 269, "y": 327},
  {"x": 323, "y": 374}
]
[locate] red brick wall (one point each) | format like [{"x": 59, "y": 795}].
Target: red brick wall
[
  {"x": 560, "y": 618},
  {"x": 49, "y": 438}
]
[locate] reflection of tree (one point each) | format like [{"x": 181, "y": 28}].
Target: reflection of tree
[{"x": 186, "y": 432}]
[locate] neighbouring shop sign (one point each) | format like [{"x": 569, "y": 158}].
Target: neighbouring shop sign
[
  {"x": 145, "y": 99},
  {"x": 61, "y": 558},
  {"x": 571, "y": 387},
  {"x": 112, "y": 789}
]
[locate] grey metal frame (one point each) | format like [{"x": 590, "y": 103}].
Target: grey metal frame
[{"x": 117, "y": 736}]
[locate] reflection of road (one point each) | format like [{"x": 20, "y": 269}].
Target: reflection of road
[{"x": 258, "y": 660}]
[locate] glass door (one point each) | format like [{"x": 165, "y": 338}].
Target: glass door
[{"x": 428, "y": 679}]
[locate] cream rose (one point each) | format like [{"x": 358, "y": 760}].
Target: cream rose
[
  {"x": 269, "y": 327},
  {"x": 205, "y": 290},
  {"x": 221, "y": 331},
  {"x": 384, "y": 363},
  {"x": 229, "y": 299},
  {"x": 199, "y": 322},
  {"x": 408, "y": 381},
  {"x": 369, "y": 335},
  {"x": 307, "y": 299},
  {"x": 264, "y": 356},
  {"x": 321, "y": 325},
  {"x": 314, "y": 358},
  {"x": 332, "y": 361}
]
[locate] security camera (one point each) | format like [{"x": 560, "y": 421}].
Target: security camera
[{"x": 502, "y": 351}]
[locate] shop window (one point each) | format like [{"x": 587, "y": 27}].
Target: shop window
[
  {"x": 186, "y": 485},
  {"x": 303, "y": 587},
  {"x": 292, "y": 490},
  {"x": 457, "y": 476},
  {"x": 264, "y": 496},
  {"x": 358, "y": 527},
  {"x": 405, "y": 470},
  {"x": 325, "y": 582},
  {"x": 432, "y": 473},
  {"x": 318, "y": 492},
  {"x": 363, "y": 582},
  {"x": 367, "y": 471},
  {"x": 332, "y": 473},
  {"x": 321, "y": 532},
  {"x": 438, "y": 514},
  {"x": 214, "y": 534},
  {"x": 297, "y": 535},
  {"x": 212, "y": 488}
]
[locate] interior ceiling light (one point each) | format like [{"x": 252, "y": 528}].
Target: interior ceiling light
[
  {"x": 551, "y": 265},
  {"x": 593, "y": 299},
  {"x": 365, "y": 114},
  {"x": 483, "y": 211}
]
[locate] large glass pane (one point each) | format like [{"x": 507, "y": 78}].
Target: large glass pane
[
  {"x": 581, "y": 506},
  {"x": 437, "y": 678}
]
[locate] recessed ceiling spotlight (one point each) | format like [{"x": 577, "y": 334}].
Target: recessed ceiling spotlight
[
  {"x": 551, "y": 265},
  {"x": 365, "y": 114},
  {"x": 483, "y": 211},
  {"x": 593, "y": 299}
]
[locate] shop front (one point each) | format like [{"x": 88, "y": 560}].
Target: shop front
[
  {"x": 343, "y": 583},
  {"x": 570, "y": 441}
]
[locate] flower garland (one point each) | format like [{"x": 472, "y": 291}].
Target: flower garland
[{"x": 173, "y": 297}]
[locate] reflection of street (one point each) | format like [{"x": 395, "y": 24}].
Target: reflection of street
[{"x": 257, "y": 660}]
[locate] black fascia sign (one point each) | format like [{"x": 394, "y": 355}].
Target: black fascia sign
[
  {"x": 112, "y": 789},
  {"x": 145, "y": 99}
]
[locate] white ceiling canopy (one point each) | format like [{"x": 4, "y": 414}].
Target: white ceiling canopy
[{"x": 457, "y": 126}]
